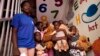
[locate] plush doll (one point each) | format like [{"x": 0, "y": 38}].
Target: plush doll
[
  {"x": 40, "y": 50},
  {"x": 47, "y": 37},
  {"x": 83, "y": 42},
  {"x": 49, "y": 44}
]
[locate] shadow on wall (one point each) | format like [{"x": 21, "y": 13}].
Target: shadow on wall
[{"x": 70, "y": 14}]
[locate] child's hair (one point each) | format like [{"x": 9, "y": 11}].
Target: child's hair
[
  {"x": 22, "y": 4},
  {"x": 55, "y": 22},
  {"x": 38, "y": 25},
  {"x": 37, "y": 36},
  {"x": 72, "y": 27},
  {"x": 56, "y": 25},
  {"x": 61, "y": 21}
]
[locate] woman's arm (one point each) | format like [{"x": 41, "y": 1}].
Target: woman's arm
[
  {"x": 14, "y": 41},
  {"x": 14, "y": 36}
]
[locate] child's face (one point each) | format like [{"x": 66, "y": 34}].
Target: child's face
[
  {"x": 74, "y": 30},
  {"x": 56, "y": 25},
  {"x": 38, "y": 36},
  {"x": 40, "y": 26}
]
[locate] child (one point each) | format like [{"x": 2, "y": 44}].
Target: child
[
  {"x": 61, "y": 44},
  {"x": 40, "y": 48},
  {"x": 75, "y": 48}
]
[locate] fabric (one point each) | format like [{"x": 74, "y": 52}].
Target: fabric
[
  {"x": 47, "y": 37},
  {"x": 76, "y": 52},
  {"x": 47, "y": 32},
  {"x": 49, "y": 44},
  {"x": 61, "y": 45},
  {"x": 60, "y": 34},
  {"x": 83, "y": 42},
  {"x": 23, "y": 51},
  {"x": 96, "y": 47},
  {"x": 41, "y": 50},
  {"x": 63, "y": 53},
  {"x": 50, "y": 52},
  {"x": 74, "y": 43},
  {"x": 41, "y": 32},
  {"x": 75, "y": 38},
  {"x": 40, "y": 47},
  {"x": 62, "y": 26},
  {"x": 25, "y": 27}
]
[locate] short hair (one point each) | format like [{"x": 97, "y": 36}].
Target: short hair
[
  {"x": 22, "y": 4},
  {"x": 38, "y": 23},
  {"x": 71, "y": 28},
  {"x": 55, "y": 22}
]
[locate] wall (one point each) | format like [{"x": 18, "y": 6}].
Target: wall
[
  {"x": 85, "y": 15},
  {"x": 87, "y": 18},
  {"x": 52, "y": 9}
]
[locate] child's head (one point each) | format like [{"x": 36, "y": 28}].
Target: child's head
[
  {"x": 61, "y": 22},
  {"x": 56, "y": 25},
  {"x": 73, "y": 29},
  {"x": 38, "y": 36},
  {"x": 39, "y": 26}
]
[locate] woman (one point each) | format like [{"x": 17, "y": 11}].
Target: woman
[{"x": 22, "y": 31}]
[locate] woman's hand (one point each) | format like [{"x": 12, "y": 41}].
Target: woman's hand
[{"x": 16, "y": 51}]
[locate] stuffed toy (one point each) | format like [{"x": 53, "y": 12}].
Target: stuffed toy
[
  {"x": 49, "y": 44},
  {"x": 83, "y": 42}
]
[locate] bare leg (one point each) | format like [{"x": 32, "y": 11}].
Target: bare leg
[
  {"x": 65, "y": 45},
  {"x": 23, "y": 51},
  {"x": 59, "y": 44},
  {"x": 31, "y": 52}
]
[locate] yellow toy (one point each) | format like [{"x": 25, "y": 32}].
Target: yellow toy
[{"x": 83, "y": 42}]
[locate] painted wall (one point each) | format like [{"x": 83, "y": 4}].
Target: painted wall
[
  {"x": 87, "y": 18},
  {"x": 85, "y": 15},
  {"x": 52, "y": 9}
]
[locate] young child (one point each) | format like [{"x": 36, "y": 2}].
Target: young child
[
  {"x": 75, "y": 48},
  {"x": 40, "y": 48},
  {"x": 60, "y": 44}
]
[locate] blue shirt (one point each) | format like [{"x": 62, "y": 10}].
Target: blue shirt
[{"x": 25, "y": 27}]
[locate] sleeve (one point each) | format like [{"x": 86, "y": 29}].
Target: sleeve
[
  {"x": 15, "y": 21},
  {"x": 36, "y": 30}
]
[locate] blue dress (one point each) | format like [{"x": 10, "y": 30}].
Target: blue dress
[{"x": 25, "y": 27}]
